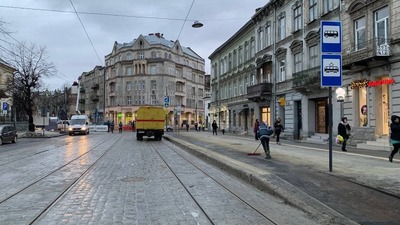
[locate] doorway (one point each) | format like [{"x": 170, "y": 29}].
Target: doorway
[
  {"x": 385, "y": 110},
  {"x": 322, "y": 116}
]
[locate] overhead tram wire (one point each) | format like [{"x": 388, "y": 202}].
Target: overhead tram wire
[
  {"x": 87, "y": 35},
  {"x": 185, "y": 20},
  {"x": 113, "y": 14}
]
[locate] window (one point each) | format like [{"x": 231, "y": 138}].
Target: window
[
  {"x": 313, "y": 55},
  {"x": 281, "y": 28},
  {"x": 140, "y": 55},
  {"x": 128, "y": 70},
  {"x": 129, "y": 56},
  {"x": 359, "y": 33},
  {"x": 129, "y": 100},
  {"x": 328, "y": 5},
  {"x": 153, "y": 100},
  {"x": 252, "y": 79},
  {"x": 222, "y": 66},
  {"x": 297, "y": 18},
  {"x": 282, "y": 73},
  {"x": 234, "y": 59},
  {"x": 128, "y": 86},
  {"x": 153, "y": 85},
  {"x": 240, "y": 61},
  {"x": 260, "y": 39},
  {"x": 240, "y": 87},
  {"x": 153, "y": 54},
  {"x": 297, "y": 62},
  {"x": 230, "y": 62},
  {"x": 268, "y": 35},
  {"x": 382, "y": 25},
  {"x": 252, "y": 48},
  {"x": 313, "y": 10},
  {"x": 153, "y": 69},
  {"x": 246, "y": 51}
]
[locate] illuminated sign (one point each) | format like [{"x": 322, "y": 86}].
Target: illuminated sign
[{"x": 380, "y": 82}]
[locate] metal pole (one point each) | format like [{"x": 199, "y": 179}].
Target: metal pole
[{"x": 330, "y": 128}]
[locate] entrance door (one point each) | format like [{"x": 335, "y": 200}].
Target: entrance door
[
  {"x": 322, "y": 116},
  {"x": 385, "y": 110}
]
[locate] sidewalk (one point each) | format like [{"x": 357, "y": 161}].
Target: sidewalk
[
  {"x": 229, "y": 152},
  {"x": 40, "y": 134}
]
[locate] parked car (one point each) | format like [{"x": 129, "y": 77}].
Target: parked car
[
  {"x": 62, "y": 124},
  {"x": 8, "y": 133}
]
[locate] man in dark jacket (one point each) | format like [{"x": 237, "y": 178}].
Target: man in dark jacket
[
  {"x": 344, "y": 131},
  {"x": 264, "y": 134},
  {"x": 394, "y": 136}
]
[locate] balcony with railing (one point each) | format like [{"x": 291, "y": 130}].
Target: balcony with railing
[
  {"x": 375, "y": 49},
  {"x": 307, "y": 79},
  {"x": 94, "y": 97},
  {"x": 259, "y": 92},
  {"x": 95, "y": 86}
]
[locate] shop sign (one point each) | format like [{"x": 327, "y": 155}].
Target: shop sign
[
  {"x": 380, "y": 82},
  {"x": 368, "y": 83}
]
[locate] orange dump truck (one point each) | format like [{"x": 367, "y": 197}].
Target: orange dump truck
[{"x": 150, "y": 121}]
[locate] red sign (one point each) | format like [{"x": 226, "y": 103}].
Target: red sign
[{"x": 380, "y": 82}]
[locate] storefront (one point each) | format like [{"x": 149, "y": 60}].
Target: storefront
[{"x": 371, "y": 100}]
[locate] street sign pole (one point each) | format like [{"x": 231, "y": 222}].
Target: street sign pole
[{"x": 331, "y": 68}]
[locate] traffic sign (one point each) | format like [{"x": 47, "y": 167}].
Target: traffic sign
[
  {"x": 5, "y": 106},
  {"x": 166, "y": 99},
  {"x": 331, "y": 37},
  {"x": 331, "y": 70}
]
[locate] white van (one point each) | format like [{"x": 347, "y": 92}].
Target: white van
[{"x": 79, "y": 124}]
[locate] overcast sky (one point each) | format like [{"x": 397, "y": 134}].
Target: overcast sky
[{"x": 52, "y": 23}]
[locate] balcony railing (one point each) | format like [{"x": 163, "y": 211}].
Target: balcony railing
[
  {"x": 259, "y": 92},
  {"x": 377, "y": 47},
  {"x": 306, "y": 78},
  {"x": 94, "y": 97},
  {"x": 95, "y": 86}
]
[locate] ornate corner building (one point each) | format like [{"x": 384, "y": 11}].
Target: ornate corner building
[{"x": 144, "y": 72}]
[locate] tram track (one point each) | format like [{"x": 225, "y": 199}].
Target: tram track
[
  {"x": 54, "y": 171},
  {"x": 225, "y": 187}
]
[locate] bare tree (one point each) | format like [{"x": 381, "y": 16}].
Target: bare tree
[{"x": 31, "y": 67}]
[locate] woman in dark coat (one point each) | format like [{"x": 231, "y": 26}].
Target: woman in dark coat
[
  {"x": 214, "y": 127},
  {"x": 394, "y": 136},
  {"x": 344, "y": 131},
  {"x": 278, "y": 128}
]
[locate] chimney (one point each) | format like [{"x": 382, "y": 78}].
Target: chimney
[{"x": 158, "y": 35}]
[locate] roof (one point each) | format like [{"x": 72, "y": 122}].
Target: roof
[{"x": 154, "y": 39}]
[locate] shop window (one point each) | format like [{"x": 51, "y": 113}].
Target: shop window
[
  {"x": 266, "y": 115},
  {"x": 362, "y": 112}
]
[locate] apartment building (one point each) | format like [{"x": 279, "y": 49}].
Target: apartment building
[
  {"x": 145, "y": 71},
  {"x": 370, "y": 62},
  {"x": 232, "y": 72},
  {"x": 6, "y": 74},
  {"x": 91, "y": 94}
]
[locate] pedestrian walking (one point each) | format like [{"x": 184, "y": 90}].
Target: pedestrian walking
[
  {"x": 195, "y": 126},
  {"x": 187, "y": 127},
  {"x": 120, "y": 127},
  {"x": 214, "y": 127},
  {"x": 108, "y": 126},
  {"x": 133, "y": 126},
  {"x": 255, "y": 129},
  {"x": 278, "y": 128},
  {"x": 223, "y": 127},
  {"x": 112, "y": 126},
  {"x": 344, "y": 131},
  {"x": 264, "y": 134},
  {"x": 394, "y": 136}
]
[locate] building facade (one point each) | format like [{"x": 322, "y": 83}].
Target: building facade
[
  {"x": 371, "y": 62},
  {"x": 232, "y": 72},
  {"x": 91, "y": 94},
  {"x": 285, "y": 73},
  {"x": 146, "y": 71}
]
